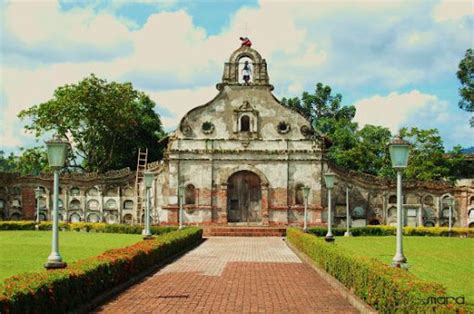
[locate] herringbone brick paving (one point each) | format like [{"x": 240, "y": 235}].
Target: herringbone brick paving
[{"x": 233, "y": 275}]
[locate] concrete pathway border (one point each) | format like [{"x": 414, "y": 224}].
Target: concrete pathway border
[
  {"x": 354, "y": 300},
  {"x": 109, "y": 294},
  {"x": 260, "y": 275}
]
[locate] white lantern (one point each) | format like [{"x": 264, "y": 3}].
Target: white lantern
[
  {"x": 57, "y": 149},
  {"x": 148, "y": 178},
  {"x": 329, "y": 179},
  {"x": 306, "y": 191},
  {"x": 399, "y": 151}
]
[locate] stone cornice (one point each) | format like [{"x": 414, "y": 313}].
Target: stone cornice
[{"x": 375, "y": 182}]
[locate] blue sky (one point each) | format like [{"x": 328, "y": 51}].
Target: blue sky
[{"x": 395, "y": 61}]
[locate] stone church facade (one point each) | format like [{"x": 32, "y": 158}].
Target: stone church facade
[
  {"x": 242, "y": 158},
  {"x": 241, "y": 155}
]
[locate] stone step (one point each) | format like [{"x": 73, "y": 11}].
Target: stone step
[{"x": 219, "y": 231}]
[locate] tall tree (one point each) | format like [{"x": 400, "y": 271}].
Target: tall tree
[
  {"x": 465, "y": 75},
  {"x": 105, "y": 122},
  {"x": 367, "y": 151},
  {"x": 427, "y": 160},
  {"x": 33, "y": 161},
  {"x": 327, "y": 116},
  {"x": 323, "y": 109},
  {"x": 7, "y": 163}
]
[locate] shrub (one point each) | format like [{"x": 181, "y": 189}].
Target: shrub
[
  {"x": 386, "y": 289},
  {"x": 64, "y": 290},
  {"x": 390, "y": 230},
  {"x": 17, "y": 225},
  {"x": 84, "y": 226}
]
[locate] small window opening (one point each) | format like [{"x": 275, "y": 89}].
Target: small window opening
[
  {"x": 299, "y": 197},
  {"x": 245, "y": 124},
  {"x": 190, "y": 195}
]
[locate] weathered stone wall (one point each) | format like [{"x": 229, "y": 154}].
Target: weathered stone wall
[
  {"x": 373, "y": 201},
  {"x": 87, "y": 197}
]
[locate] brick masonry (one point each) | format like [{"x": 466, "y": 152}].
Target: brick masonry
[{"x": 233, "y": 275}]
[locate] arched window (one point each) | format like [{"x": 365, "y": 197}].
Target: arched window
[
  {"x": 428, "y": 200},
  {"x": 299, "y": 197},
  {"x": 15, "y": 216},
  {"x": 93, "y": 218},
  {"x": 245, "y": 68},
  {"x": 75, "y": 204},
  {"x": 92, "y": 192},
  {"x": 245, "y": 124},
  {"x": 359, "y": 211},
  {"x": 111, "y": 204},
  {"x": 127, "y": 219},
  {"x": 75, "y": 218},
  {"x": 190, "y": 195},
  {"x": 128, "y": 204},
  {"x": 93, "y": 205},
  {"x": 392, "y": 199}
]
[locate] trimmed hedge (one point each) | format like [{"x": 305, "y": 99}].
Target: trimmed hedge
[
  {"x": 386, "y": 289},
  {"x": 84, "y": 226},
  {"x": 390, "y": 230},
  {"x": 64, "y": 290}
]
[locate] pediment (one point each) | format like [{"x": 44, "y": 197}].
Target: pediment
[{"x": 246, "y": 107}]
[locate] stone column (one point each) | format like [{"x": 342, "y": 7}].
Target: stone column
[
  {"x": 438, "y": 211},
  {"x": 420, "y": 216},
  {"x": 222, "y": 204},
  {"x": 265, "y": 205},
  {"x": 462, "y": 212}
]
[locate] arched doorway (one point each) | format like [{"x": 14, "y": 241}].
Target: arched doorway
[{"x": 244, "y": 197}]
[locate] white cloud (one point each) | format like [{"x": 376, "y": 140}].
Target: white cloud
[
  {"x": 43, "y": 24},
  {"x": 415, "y": 109},
  {"x": 447, "y": 10},
  {"x": 180, "y": 101},
  {"x": 353, "y": 47},
  {"x": 393, "y": 110}
]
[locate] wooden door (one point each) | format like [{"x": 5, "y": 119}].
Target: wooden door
[{"x": 244, "y": 195}]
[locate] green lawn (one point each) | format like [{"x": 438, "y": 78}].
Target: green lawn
[
  {"x": 449, "y": 261},
  {"x": 24, "y": 251}
]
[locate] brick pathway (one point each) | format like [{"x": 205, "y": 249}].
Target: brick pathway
[{"x": 236, "y": 275}]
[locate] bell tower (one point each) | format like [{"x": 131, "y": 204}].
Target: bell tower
[{"x": 232, "y": 69}]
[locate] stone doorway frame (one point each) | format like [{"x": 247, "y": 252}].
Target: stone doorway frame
[{"x": 222, "y": 194}]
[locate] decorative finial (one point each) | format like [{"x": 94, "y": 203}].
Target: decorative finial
[{"x": 245, "y": 42}]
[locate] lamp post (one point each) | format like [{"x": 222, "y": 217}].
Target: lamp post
[
  {"x": 148, "y": 179},
  {"x": 329, "y": 179},
  {"x": 305, "y": 194},
  {"x": 450, "y": 202},
  {"x": 38, "y": 195},
  {"x": 399, "y": 151},
  {"x": 181, "y": 199},
  {"x": 348, "y": 215},
  {"x": 57, "y": 149}
]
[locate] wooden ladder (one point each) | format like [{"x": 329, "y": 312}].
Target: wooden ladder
[{"x": 141, "y": 167}]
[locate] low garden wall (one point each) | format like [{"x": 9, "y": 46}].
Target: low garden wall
[
  {"x": 386, "y": 289},
  {"x": 389, "y": 231},
  {"x": 84, "y": 226},
  {"x": 64, "y": 290}
]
